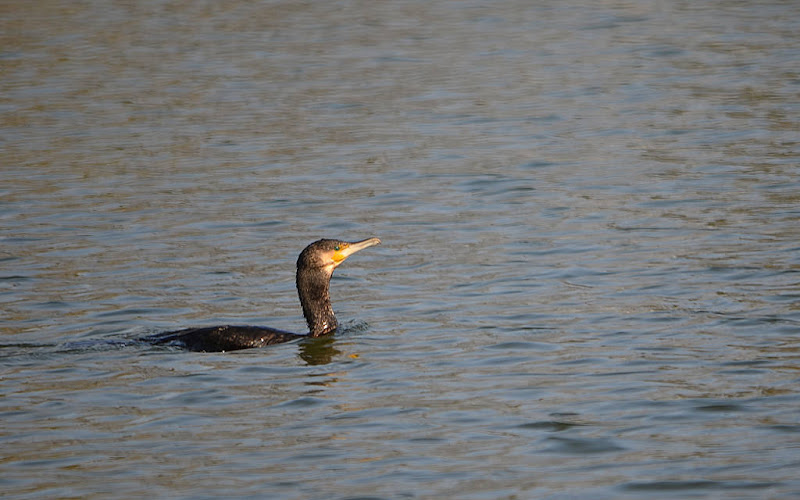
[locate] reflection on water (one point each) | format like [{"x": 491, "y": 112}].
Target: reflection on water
[
  {"x": 588, "y": 283},
  {"x": 318, "y": 351}
]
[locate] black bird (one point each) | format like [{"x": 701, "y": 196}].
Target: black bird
[{"x": 314, "y": 270}]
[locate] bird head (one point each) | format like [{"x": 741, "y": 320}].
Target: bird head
[{"x": 328, "y": 254}]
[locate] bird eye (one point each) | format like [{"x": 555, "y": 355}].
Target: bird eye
[{"x": 337, "y": 248}]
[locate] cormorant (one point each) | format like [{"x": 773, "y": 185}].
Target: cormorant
[{"x": 314, "y": 270}]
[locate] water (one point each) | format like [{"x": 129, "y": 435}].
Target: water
[{"x": 588, "y": 285}]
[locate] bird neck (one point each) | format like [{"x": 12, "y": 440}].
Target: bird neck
[{"x": 313, "y": 287}]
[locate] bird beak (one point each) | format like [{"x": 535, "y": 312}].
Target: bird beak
[{"x": 354, "y": 247}]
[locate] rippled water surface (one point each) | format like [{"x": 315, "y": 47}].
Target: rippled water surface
[{"x": 589, "y": 283}]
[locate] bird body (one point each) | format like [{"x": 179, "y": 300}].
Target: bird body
[
  {"x": 226, "y": 338},
  {"x": 315, "y": 266}
]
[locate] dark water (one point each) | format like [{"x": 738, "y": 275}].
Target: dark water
[{"x": 589, "y": 285}]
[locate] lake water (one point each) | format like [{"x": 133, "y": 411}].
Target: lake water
[{"x": 588, "y": 287}]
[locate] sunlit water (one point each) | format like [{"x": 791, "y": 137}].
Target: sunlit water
[{"x": 589, "y": 283}]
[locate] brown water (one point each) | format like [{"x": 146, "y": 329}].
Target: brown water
[{"x": 589, "y": 285}]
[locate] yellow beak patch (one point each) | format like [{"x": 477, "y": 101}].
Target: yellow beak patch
[{"x": 340, "y": 254}]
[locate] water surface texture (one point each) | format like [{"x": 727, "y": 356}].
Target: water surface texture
[{"x": 589, "y": 283}]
